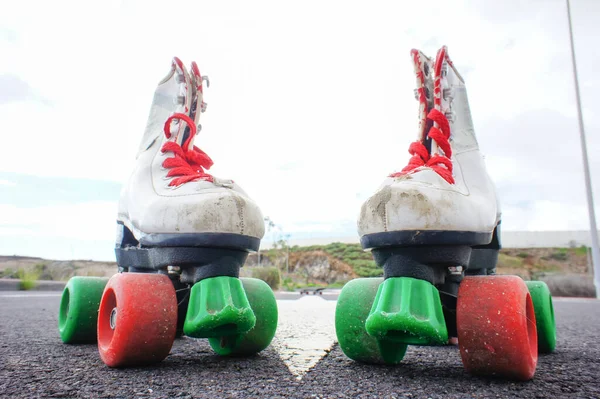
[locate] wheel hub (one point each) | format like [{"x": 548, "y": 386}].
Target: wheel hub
[{"x": 113, "y": 318}]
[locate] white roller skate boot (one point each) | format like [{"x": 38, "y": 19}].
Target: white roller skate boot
[
  {"x": 182, "y": 237},
  {"x": 423, "y": 226},
  {"x": 171, "y": 209},
  {"x": 423, "y": 221},
  {"x": 178, "y": 220},
  {"x": 444, "y": 196}
]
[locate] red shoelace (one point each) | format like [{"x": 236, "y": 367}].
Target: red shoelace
[
  {"x": 442, "y": 165},
  {"x": 186, "y": 165}
]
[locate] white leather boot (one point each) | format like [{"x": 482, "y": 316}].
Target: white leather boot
[
  {"x": 172, "y": 212},
  {"x": 437, "y": 219},
  {"x": 444, "y": 196}
]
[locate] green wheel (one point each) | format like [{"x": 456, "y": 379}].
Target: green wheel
[
  {"x": 353, "y": 307},
  {"x": 78, "y": 313},
  {"x": 544, "y": 315},
  {"x": 264, "y": 305}
]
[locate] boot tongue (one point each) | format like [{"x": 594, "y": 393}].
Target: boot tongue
[
  {"x": 183, "y": 100},
  {"x": 423, "y": 93},
  {"x": 441, "y": 100},
  {"x": 198, "y": 106},
  {"x": 440, "y": 60}
]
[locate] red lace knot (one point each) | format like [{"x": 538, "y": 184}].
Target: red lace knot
[
  {"x": 441, "y": 164},
  {"x": 187, "y": 164}
]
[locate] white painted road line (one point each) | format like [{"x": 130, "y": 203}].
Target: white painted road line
[{"x": 305, "y": 332}]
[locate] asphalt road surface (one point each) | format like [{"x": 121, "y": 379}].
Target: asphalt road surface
[{"x": 34, "y": 363}]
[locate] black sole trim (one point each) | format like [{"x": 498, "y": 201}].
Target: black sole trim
[
  {"x": 218, "y": 240},
  {"x": 195, "y": 263},
  {"x": 424, "y": 237},
  {"x": 210, "y": 240}
]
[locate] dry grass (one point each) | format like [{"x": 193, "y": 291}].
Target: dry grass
[
  {"x": 565, "y": 270},
  {"x": 269, "y": 275},
  {"x": 570, "y": 285}
]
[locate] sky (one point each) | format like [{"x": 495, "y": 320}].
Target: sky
[{"x": 310, "y": 106}]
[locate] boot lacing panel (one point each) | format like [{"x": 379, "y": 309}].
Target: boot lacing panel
[{"x": 187, "y": 164}]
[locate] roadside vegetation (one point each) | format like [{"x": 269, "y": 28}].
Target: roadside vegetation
[
  {"x": 28, "y": 277},
  {"x": 28, "y": 280},
  {"x": 565, "y": 270},
  {"x": 352, "y": 254}
]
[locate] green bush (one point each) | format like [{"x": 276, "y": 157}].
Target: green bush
[
  {"x": 560, "y": 256},
  {"x": 269, "y": 275},
  {"x": 28, "y": 279},
  {"x": 288, "y": 284},
  {"x": 337, "y": 284},
  {"x": 510, "y": 262},
  {"x": 8, "y": 273},
  {"x": 523, "y": 255}
]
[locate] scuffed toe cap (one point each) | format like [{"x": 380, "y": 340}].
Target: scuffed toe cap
[
  {"x": 220, "y": 211},
  {"x": 407, "y": 205}
]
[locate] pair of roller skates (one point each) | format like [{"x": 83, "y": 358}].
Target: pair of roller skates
[
  {"x": 182, "y": 237},
  {"x": 433, "y": 227}
]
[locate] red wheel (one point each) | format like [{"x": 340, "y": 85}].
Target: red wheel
[
  {"x": 137, "y": 319},
  {"x": 496, "y": 327}
]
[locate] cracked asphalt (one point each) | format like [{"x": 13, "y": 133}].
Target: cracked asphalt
[{"x": 35, "y": 364}]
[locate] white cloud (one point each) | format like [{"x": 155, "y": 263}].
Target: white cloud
[
  {"x": 310, "y": 105},
  {"x": 85, "y": 221},
  {"x": 545, "y": 216},
  {"x": 8, "y": 183}
]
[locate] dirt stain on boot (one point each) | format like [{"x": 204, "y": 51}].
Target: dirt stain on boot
[
  {"x": 418, "y": 204},
  {"x": 377, "y": 204},
  {"x": 240, "y": 204}
]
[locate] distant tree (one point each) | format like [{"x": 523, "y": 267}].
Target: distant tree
[{"x": 280, "y": 239}]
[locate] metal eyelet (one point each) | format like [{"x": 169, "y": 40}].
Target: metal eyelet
[
  {"x": 455, "y": 270},
  {"x": 448, "y": 94},
  {"x": 444, "y": 69}
]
